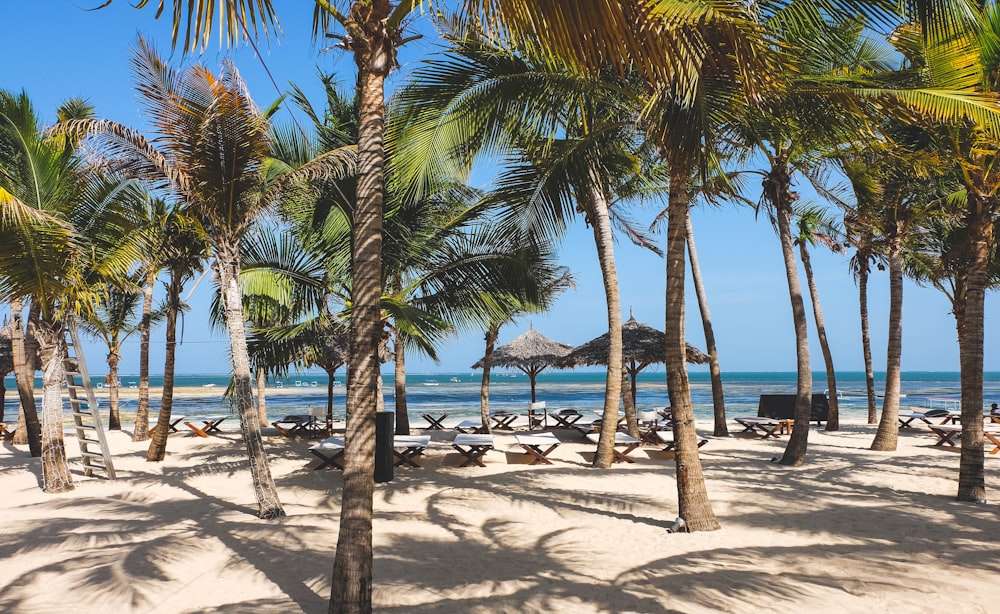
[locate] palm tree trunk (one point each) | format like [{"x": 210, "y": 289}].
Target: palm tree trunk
[
  {"x": 158, "y": 446},
  {"x": 351, "y": 585},
  {"x": 141, "y": 432},
  {"x": 692, "y": 496},
  {"x": 887, "y": 435},
  {"x": 114, "y": 417},
  {"x": 227, "y": 268},
  {"x": 866, "y": 343},
  {"x": 484, "y": 389},
  {"x": 56, "y": 477},
  {"x": 402, "y": 417},
  {"x": 833, "y": 418},
  {"x": 971, "y": 474},
  {"x": 628, "y": 402},
  {"x": 29, "y": 428},
  {"x": 718, "y": 399},
  {"x": 601, "y": 220},
  {"x": 779, "y": 183},
  {"x": 262, "y": 399}
]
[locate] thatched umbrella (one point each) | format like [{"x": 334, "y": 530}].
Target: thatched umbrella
[
  {"x": 641, "y": 346},
  {"x": 531, "y": 353}
]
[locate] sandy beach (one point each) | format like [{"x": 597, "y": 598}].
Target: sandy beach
[{"x": 852, "y": 531}]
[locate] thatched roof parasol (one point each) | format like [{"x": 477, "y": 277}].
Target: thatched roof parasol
[
  {"x": 641, "y": 346},
  {"x": 531, "y": 353}
]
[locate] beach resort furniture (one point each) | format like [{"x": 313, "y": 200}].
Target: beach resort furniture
[
  {"x": 503, "y": 420},
  {"x": 565, "y": 418},
  {"x": 948, "y": 433},
  {"x": 767, "y": 427},
  {"x": 649, "y": 424},
  {"x": 209, "y": 424},
  {"x": 434, "y": 422},
  {"x": 471, "y": 426},
  {"x": 172, "y": 424},
  {"x": 622, "y": 440},
  {"x": 667, "y": 438},
  {"x": 472, "y": 447},
  {"x": 782, "y": 407},
  {"x": 533, "y": 444},
  {"x": 6, "y": 431},
  {"x": 939, "y": 416},
  {"x": 302, "y": 424},
  {"x": 537, "y": 416},
  {"x": 666, "y": 416},
  {"x": 407, "y": 447},
  {"x": 329, "y": 452}
]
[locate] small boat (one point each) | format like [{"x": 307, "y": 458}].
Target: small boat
[
  {"x": 298, "y": 383},
  {"x": 133, "y": 385},
  {"x": 431, "y": 383},
  {"x": 455, "y": 379},
  {"x": 279, "y": 384},
  {"x": 208, "y": 385},
  {"x": 313, "y": 384}
]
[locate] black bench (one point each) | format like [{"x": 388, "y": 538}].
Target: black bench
[{"x": 782, "y": 407}]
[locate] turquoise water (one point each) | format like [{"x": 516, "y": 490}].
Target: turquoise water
[{"x": 458, "y": 393}]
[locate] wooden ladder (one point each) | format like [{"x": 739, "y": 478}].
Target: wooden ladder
[{"x": 86, "y": 416}]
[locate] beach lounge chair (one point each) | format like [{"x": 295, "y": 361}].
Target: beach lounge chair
[
  {"x": 649, "y": 424},
  {"x": 667, "y": 438},
  {"x": 405, "y": 448},
  {"x": 209, "y": 424},
  {"x": 472, "y": 447},
  {"x": 532, "y": 443},
  {"x": 471, "y": 426},
  {"x": 767, "y": 427},
  {"x": 6, "y": 431},
  {"x": 622, "y": 440},
  {"x": 930, "y": 416},
  {"x": 329, "y": 452}
]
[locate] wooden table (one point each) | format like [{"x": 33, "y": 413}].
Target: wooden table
[
  {"x": 435, "y": 422},
  {"x": 472, "y": 447},
  {"x": 623, "y": 440},
  {"x": 329, "y": 452},
  {"x": 209, "y": 424},
  {"x": 407, "y": 447},
  {"x": 533, "y": 444}
]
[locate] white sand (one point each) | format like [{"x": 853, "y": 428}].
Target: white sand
[{"x": 852, "y": 531}]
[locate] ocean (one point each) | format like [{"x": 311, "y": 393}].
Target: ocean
[{"x": 457, "y": 394}]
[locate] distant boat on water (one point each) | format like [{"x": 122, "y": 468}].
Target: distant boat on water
[
  {"x": 431, "y": 382},
  {"x": 208, "y": 385},
  {"x": 455, "y": 379}
]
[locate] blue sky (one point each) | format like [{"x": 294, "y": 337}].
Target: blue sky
[{"x": 56, "y": 50}]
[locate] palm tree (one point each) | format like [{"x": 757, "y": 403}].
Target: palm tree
[
  {"x": 182, "y": 250},
  {"x": 568, "y": 142},
  {"x": 113, "y": 320},
  {"x": 212, "y": 152},
  {"x": 816, "y": 226},
  {"x": 58, "y": 226}
]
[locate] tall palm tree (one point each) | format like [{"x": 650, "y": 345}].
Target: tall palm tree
[
  {"x": 182, "y": 250},
  {"x": 24, "y": 352},
  {"x": 113, "y": 320},
  {"x": 212, "y": 153},
  {"x": 569, "y": 142},
  {"x": 57, "y": 227},
  {"x": 816, "y": 226}
]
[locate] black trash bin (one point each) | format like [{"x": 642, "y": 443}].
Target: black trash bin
[{"x": 385, "y": 424}]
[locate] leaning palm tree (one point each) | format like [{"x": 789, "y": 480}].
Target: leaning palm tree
[
  {"x": 816, "y": 226},
  {"x": 58, "y": 226},
  {"x": 212, "y": 153}
]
